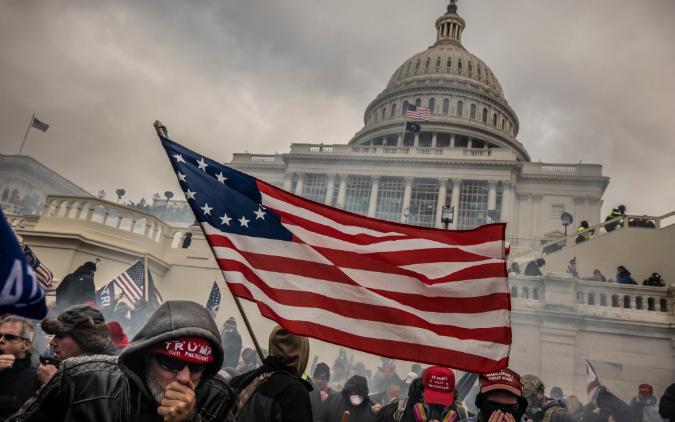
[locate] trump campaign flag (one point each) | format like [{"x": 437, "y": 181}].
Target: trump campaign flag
[
  {"x": 20, "y": 290},
  {"x": 424, "y": 295}
]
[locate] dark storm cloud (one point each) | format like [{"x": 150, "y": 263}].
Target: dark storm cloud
[{"x": 590, "y": 81}]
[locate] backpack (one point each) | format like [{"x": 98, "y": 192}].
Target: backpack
[{"x": 244, "y": 395}]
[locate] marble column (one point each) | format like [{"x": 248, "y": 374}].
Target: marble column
[
  {"x": 299, "y": 184},
  {"x": 288, "y": 182},
  {"x": 456, "y": 184},
  {"x": 452, "y": 140},
  {"x": 407, "y": 193},
  {"x": 442, "y": 193},
  {"x": 417, "y": 139},
  {"x": 342, "y": 190},
  {"x": 399, "y": 140},
  {"x": 507, "y": 202},
  {"x": 434, "y": 137},
  {"x": 374, "y": 189},
  {"x": 330, "y": 187},
  {"x": 492, "y": 195}
]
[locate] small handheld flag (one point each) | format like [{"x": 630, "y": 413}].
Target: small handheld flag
[{"x": 213, "y": 303}]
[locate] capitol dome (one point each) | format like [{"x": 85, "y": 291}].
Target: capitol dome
[{"x": 467, "y": 102}]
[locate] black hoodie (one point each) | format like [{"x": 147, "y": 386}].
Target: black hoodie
[
  {"x": 335, "y": 406},
  {"x": 108, "y": 388}
]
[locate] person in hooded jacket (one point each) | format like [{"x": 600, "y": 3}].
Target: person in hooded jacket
[
  {"x": 646, "y": 405},
  {"x": 77, "y": 287},
  {"x": 168, "y": 372},
  {"x": 353, "y": 399},
  {"x": 667, "y": 404},
  {"x": 275, "y": 391},
  {"x": 231, "y": 343},
  {"x": 540, "y": 407}
]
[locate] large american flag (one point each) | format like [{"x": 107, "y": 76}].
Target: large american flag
[
  {"x": 418, "y": 113},
  {"x": 130, "y": 282},
  {"x": 405, "y": 292}
]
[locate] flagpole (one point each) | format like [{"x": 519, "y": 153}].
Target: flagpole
[
  {"x": 26, "y": 135},
  {"x": 145, "y": 276},
  {"x": 162, "y": 132}
]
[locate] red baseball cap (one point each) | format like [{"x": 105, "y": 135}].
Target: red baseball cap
[
  {"x": 646, "y": 390},
  {"x": 505, "y": 379},
  {"x": 439, "y": 386},
  {"x": 187, "y": 349}
]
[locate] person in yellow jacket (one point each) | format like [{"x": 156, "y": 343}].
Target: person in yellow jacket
[{"x": 583, "y": 234}]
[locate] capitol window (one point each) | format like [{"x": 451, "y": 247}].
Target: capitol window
[
  {"x": 473, "y": 198},
  {"x": 438, "y": 62},
  {"x": 418, "y": 102},
  {"x": 494, "y": 120},
  {"x": 460, "y": 108},
  {"x": 449, "y": 63},
  {"x": 405, "y": 106},
  {"x": 393, "y": 110},
  {"x": 432, "y": 104},
  {"x": 428, "y": 63},
  {"x": 472, "y": 114},
  {"x": 459, "y": 64},
  {"x": 423, "y": 199},
  {"x": 390, "y": 198},
  {"x": 384, "y": 111},
  {"x": 314, "y": 187},
  {"x": 557, "y": 210},
  {"x": 485, "y": 115},
  {"x": 446, "y": 106},
  {"x": 357, "y": 194}
]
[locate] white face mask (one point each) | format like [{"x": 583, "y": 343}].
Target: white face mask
[{"x": 355, "y": 400}]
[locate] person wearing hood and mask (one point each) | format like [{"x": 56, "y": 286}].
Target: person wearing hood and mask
[
  {"x": 168, "y": 372},
  {"x": 539, "y": 407},
  {"x": 275, "y": 391},
  {"x": 231, "y": 343},
  {"x": 500, "y": 398},
  {"x": 353, "y": 399}
]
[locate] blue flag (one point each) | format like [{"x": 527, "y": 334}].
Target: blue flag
[
  {"x": 105, "y": 296},
  {"x": 20, "y": 291}
]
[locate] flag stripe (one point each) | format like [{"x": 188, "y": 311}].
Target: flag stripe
[
  {"x": 447, "y": 307},
  {"x": 366, "y": 335}
]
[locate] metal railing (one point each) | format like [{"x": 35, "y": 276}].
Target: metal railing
[{"x": 598, "y": 230}]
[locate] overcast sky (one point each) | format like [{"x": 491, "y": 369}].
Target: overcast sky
[{"x": 589, "y": 80}]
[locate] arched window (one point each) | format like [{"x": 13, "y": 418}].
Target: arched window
[
  {"x": 432, "y": 105},
  {"x": 480, "y": 74},
  {"x": 485, "y": 114},
  {"x": 591, "y": 298},
  {"x": 626, "y": 302},
  {"x": 615, "y": 301},
  {"x": 428, "y": 63},
  {"x": 384, "y": 110},
  {"x": 460, "y": 65},
  {"x": 446, "y": 106},
  {"x": 580, "y": 298},
  {"x": 405, "y": 106},
  {"x": 472, "y": 113},
  {"x": 494, "y": 120},
  {"x": 438, "y": 62},
  {"x": 470, "y": 68},
  {"x": 449, "y": 63},
  {"x": 418, "y": 102},
  {"x": 664, "y": 304},
  {"x": 526, "y": 293},
  {"x": 460, "y": 108},
  {"x": 393, "y": 110},
  {"x": 651, "y": 304},
  {"x": 514, "y": 292},
  {"x": 535, "y": 294},
  {"x": 603, "y": 299},
  {"x": 638, "y": 303}
]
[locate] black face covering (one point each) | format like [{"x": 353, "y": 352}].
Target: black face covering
[{"x": 486, "y": 410}]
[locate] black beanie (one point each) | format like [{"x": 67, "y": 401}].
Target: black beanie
[{"x": 322, "y": 369}]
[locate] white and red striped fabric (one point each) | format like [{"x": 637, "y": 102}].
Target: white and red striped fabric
[
  {"x": 423, "y": 295},
  {"x": 418, "y": 113}
]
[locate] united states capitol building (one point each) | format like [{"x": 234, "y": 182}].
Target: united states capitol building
[{"x": 465, "y": 166}]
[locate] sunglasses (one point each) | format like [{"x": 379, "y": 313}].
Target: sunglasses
[
  {"x": 12, "y": 337},
  {"x": 177, "y": 365}
]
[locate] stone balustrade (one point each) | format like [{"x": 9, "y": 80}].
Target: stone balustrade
[
  {"x": 592, "y": 298},
  {"x": 392, "y": 151}
]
